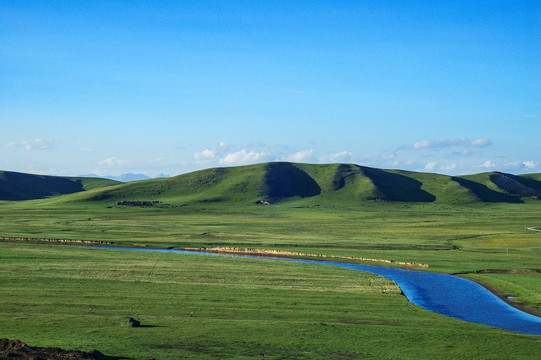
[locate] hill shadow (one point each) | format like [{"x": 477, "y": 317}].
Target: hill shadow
[
  {"x": 343, "y": 172},
  {"x": 19, "y": 186},
  {"x": 484, "y": 193},
  {"x": 283, "y": 180},
  {"x": 395, "y": 187},
  {"x": 516, "y": 185}
]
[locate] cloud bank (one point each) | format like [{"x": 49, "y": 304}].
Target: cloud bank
[
  {"x": 244, "y": 157},
  {"x": 441, "y": 144},
  {"x": 531, "y": 164},
  {"x": 301, "y": 156},
  {"x": 36, "y": 144},
  {"x": 344, "y": 156}
]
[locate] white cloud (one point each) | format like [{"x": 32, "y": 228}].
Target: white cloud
[
  {"x": 488, "y": 164},
  {"x": 423, "y": 144},
  {"x": 113, "y": 161},
  {"x": 212, "y": 153},
  {"x": 531, "y": 164},
  {"x": 36, "y": 144},
  {"x": 437, "y": 144},
  {"x": 479, "y": 143},
  {"x": 343, "y": 156},
  {"x": 243, "y": 157},
  {"x": 299, "y": 156},
  {"x": 431, "y": 165},
  {"x": 448, "y": 167},
  {"x": 206, "y": 154},
  {"x": 223, "y": 146}
]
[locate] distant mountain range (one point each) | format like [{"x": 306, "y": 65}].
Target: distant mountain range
[
  {"x": 127, "y": 177},
  {"x": 278, "y": 182}
]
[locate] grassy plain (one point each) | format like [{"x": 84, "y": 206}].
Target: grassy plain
[{"x": 243, "y": 307}]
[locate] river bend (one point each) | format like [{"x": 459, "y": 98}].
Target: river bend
[{"x": 444, "y": 294}]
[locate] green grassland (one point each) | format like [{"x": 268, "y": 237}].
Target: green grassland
[
  {"x": 468, "y": 225},
  {"x": 74, "y": 297},
  {"x": 20, "y": 186},
  {"x": 306, "y": 184}
]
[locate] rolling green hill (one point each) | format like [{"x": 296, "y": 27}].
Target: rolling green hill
[
  {"x": 20, "y": 186},
  {"x": 317, "y": 184}
]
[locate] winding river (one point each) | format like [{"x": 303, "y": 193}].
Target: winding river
[{"x": 444, "y": 294}]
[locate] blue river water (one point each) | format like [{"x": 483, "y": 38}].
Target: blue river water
[{"x": 444, "y": 294}]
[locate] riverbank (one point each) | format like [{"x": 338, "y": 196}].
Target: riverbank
[
  {"x": 52, "y": 240},
  {"x": 508, "y": 298},
  {"x": 293, "y": 254},
  {"x": 73, "y": 297},
  {"x": 441, "y": 293}
]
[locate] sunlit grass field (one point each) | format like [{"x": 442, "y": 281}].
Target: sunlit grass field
[
  {"x": 193, "y": 306},
  {"x": 212, "y": 307}
]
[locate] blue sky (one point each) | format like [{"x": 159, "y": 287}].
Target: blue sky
[{"x": 112, "y": 87}]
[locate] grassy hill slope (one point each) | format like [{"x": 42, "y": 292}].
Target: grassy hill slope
[
  {"x": 312, "y": 184},
  {"x": 21, "y": 186},
  {"x": 216, "y": 185},
  {"x": 501, "y": 187}
]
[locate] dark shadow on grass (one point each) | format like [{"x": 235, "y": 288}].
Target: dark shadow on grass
[
  {"x": 343, "y": 172},
  {"x": 283, "y": 180},
  {"x": 19, "y": 186},
  {"x": 516, "y": 185},
  {"x": 395, "y": 187},
  {"x": 484, "y": 193}
]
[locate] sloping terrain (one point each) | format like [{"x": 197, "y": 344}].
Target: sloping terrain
[
  {"x": 316, "y": 184},
  {"x": 21, "y": 186},
  {"x": 284, "y": 180},
  {"x": 516, "y": 185},
  {"x": 501, "y": 187},
  {"x": 398, "y": 187},
  {"x": 299, "y": 184},
  {"x": 484, "y": 193}
]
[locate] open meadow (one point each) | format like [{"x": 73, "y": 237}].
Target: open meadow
[
  {"x": 270, "y": 180},
  {"x": 193, "y": 306}
]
